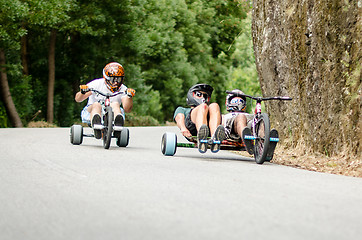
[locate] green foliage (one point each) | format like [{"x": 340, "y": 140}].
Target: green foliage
[
  {"x": 20, "y": 88},
  {"x": 165, "y": 46},
  {"x": 51, "y": 13},
  {"x": 146, "y": 100},
  {"x": 3, "y": 117},
  {"x": 22, "y": 94},
  {"x": 243, "y": 70},
  {"x": 133, "y": 119},
  {"x": 12, "y": 13}
]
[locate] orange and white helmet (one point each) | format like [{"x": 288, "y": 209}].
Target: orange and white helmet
[{"x": 113, "y": 74}]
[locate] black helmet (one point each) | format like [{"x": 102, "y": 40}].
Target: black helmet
[
  {"x": 195, "y": 97},
  {"x": 235, "y": 106}
]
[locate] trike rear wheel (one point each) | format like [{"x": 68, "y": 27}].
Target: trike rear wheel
[
  {"x": 169, "y": 144},
  {"x": 262, "y": 131},
  {"x": 123, "y": 139},
  {"x": 76, "y": 134}
]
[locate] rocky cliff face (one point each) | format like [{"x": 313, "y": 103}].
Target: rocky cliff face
[{"x": 310, "y": 50}]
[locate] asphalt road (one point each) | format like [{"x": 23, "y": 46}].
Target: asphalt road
[{"x": 51, "y": 189}]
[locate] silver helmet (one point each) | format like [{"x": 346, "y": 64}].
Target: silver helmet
[{"x": 234, "y": 104}]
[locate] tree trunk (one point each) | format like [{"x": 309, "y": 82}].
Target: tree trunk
[
  {"x": 51, "y": 78},
  {"x": 24, "y": 53},
  {"x": 6, "y": 95},
  {"x": 75, "y": 59},
  {"x": 310, "y": 50}
]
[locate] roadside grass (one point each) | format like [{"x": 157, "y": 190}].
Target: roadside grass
[
  {"x": 41, "y": 124},
  {"x": 340, "y": 165},
  {"x": 343, "y": 164}
]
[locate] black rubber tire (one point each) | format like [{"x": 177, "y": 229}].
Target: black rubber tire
[
  {"x": 123, "y": 139},
  {"x": 262, "y": 130},
  {"x": 273, "y": 134},
  {"x": 76, "y": 134},
  {"x": 108, "y": 127}
]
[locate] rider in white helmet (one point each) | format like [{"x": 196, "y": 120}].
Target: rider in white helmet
[{"x": 236, "y": 121}]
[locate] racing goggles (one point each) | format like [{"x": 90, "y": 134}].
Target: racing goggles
[
  {"x": 198, "y": 94},
  {"x": 116, "y": 79}
]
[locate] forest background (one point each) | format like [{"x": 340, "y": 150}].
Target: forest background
[
  {"x": 308, "y": 50},
  {"x": 48, "y": 48}
]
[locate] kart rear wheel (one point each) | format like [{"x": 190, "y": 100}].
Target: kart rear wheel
[
  {"x": 123, "y": 139},
  {"x": 76, "y": 134},
  {"x": 169, "y": 144},
  {"x": 262, "y": 130},
  {"x": 108, "y": 127}
]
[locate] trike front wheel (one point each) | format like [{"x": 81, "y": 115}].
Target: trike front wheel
[
  {"x": 108, "y": 127},
  {"x": 262, "y": 138}
]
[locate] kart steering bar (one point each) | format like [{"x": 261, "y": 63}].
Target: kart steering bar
[
  {"x": 105, "y": 94},
  {"x": 259, "y": 99}
]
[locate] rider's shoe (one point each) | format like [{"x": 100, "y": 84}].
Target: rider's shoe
[
  {"x": 218, "y": 137},
  {"x": 248, "y": 142},
  {"x": 202, "y": 135},
  {"x": 118, "y": 122},
  {"x": 274, "y": 138},
  {"x": 96, "y": 120}
]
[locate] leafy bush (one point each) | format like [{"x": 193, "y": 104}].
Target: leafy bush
[{"x": 137, "y": 120}]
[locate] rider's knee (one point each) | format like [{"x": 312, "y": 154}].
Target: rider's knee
[
  {"x": 240, "y": 118},
  {"x": 115, "y": 104},
  {"x": 213, "y": 107},
  {"x": 96, "y": 104},
  {"x": 116, "y": 107},
  {"x": 203, "y": 108},
  {"x": 95, "y": 107}
]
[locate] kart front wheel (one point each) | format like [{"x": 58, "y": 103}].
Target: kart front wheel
[
  {"x": 76, "y": 134},
  {"x": 123, "y": 139},
  {"x": 169, "y": 144}
]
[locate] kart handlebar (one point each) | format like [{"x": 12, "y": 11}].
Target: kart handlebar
[
  {"x": 259, "y": 98},
  {"x": 105, "y": 94}
]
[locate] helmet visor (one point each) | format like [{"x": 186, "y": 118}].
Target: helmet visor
[
  {"x": 116, "y": 79},
  {"x": 237, "y": 101}
]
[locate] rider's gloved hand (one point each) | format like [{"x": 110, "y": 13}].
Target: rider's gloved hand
[
  {"x": 131, "y": 92},
  {"x": 83, "y": 89}
]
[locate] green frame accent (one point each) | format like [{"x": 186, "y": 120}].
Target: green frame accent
[{"x": 186, "y": 145}]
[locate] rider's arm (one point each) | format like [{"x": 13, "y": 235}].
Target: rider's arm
[
  {"x": 127, "y": 104},
  {"x": 80, "y": 97},
  {"x": 127, "y": 100},
  {"x": 180, "y": 121}
]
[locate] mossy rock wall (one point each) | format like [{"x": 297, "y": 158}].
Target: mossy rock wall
[{"x": 311, "y": 50}]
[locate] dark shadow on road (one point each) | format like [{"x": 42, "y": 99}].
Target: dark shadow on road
[{"x": 217, "y": 157}]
